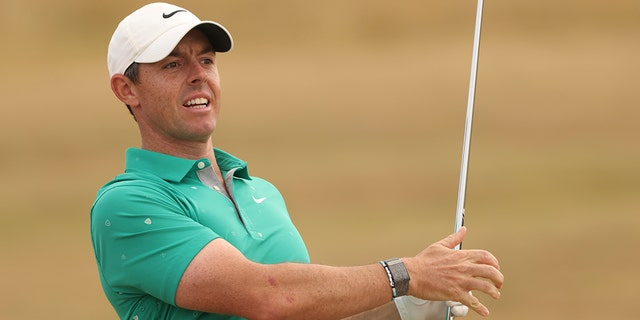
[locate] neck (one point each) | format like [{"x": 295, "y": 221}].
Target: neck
[{"x": 182, "y": 149}]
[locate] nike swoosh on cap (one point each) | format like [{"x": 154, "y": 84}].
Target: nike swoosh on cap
[{"x": 169, "y": 15}]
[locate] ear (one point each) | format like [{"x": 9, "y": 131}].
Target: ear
[{"x": 124, "y": 89}]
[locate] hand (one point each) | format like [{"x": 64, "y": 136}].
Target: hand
[
  {"x": 411, "y": 308},
  {"x": 440, "y": 273}
]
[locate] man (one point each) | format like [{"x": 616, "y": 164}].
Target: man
[{"x": 187, "y": 233}]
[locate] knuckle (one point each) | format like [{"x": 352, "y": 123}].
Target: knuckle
[{"x": 487, "y": 256}]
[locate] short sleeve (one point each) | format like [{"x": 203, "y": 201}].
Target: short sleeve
[{"x": 144, "y": 239}]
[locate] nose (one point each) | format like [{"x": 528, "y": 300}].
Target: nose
[{"x": 198, "y": 74}]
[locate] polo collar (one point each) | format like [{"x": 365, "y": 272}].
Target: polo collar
[{"x": 174, "y": 169}]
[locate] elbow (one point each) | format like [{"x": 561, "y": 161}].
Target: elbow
[
  {"x": 257, "y": 308},
  {"x": 276, "y": 308}
]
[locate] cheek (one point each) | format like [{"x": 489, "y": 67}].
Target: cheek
[
  {"x": 158, "y": 93},
  {"x": 155, "y": 86},
  {"x": 214, "y": 86},
  {"x": 214, "y": 80}
]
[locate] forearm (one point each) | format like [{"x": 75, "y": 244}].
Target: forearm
[
  {"x": 387, "y": 311},
  {"x": 323, "y": 292}
]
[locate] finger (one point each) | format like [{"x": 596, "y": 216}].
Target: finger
[
  {"x": 454, "y": 239},
  {"x": 485, "y": 287},
  {"x": 492, "y": 274},
  {"x": 482, "y": 257},
  {"x": 488, "y": 274},
  {"x": 483, "y": 278},
  {"x": 486, "y": 257},
  {"x": 474, "y": 304},
  {"x": 451, "y": 303}
]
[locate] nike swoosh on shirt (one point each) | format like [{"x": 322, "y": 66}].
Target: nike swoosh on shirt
[
  {"x": 258, "y": 200},
  {"x": 169, "y": 15}
]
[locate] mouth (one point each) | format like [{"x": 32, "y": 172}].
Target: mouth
[{"x": 197, "y": 103}]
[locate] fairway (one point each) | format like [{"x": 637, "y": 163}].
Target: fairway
[{"x": 355, "y": 110}]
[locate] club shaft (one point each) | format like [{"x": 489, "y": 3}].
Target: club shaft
[{"x": 466, "y": 145}]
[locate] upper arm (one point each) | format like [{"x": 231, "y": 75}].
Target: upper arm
[
  {"x": 220, "y": 280},
  {"x": 143, "y": 240}
]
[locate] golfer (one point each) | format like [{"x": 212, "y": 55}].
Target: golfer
[{"x": 187, "y": 233}]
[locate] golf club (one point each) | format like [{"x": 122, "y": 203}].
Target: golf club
[{"x": 466, "y": 145}]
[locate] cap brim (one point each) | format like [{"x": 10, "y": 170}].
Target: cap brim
[{"x": 219, "y": 37}]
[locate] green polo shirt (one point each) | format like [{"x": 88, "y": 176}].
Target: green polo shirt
[{"x": 150, "y": 222}]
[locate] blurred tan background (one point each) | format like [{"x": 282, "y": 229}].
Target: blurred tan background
[{"x": 355, "y": 110}]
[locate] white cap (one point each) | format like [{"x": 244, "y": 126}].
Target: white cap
[{"x": 150, "y": 33}]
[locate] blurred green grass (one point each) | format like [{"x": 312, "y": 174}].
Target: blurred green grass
[{"x": 355, "y": 109}]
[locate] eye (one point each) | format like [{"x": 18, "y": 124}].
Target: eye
[
  {"x": 171, "y": 65},
  {"x": 207, "y": 61}
]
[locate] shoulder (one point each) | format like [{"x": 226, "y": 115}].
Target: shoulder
[
  {"x": 129, "y": 191},
  {"x": 128, "y": 184}
]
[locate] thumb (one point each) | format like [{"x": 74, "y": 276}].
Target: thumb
[{"x": 454, "y": 239}]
